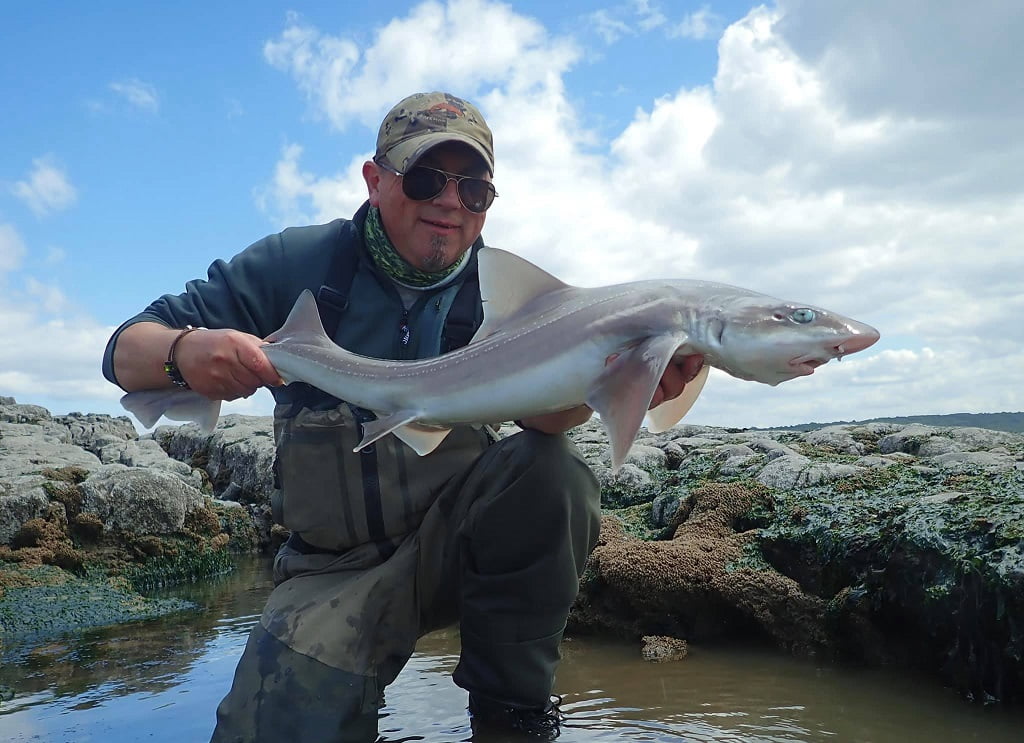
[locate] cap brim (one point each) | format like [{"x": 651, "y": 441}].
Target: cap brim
[{"x": 405, "y": 154}]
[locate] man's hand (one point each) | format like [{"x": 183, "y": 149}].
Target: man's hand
[
  {"x": 219, "y": 364},
  {"x": 677, "y": 375},
  {"x": 225, "y": 364}
]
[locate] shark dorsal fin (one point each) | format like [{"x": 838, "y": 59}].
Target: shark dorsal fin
[
  {"x": 507, "y": 283},
  {"x": 304, "y": 319}
]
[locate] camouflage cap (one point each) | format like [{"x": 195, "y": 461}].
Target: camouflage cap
[{"x": 425, "y": 120}]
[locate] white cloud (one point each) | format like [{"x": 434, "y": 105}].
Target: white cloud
[
  {"x": 921, "y": 58},
  {"x": 52, "y": 359},
  {"x": 609, "y": 28},
  {"x": 50, "y": 299},
  {"x": 47, "y": 188},
  {"x": 701, "y": 24},
  {"x": 642, "y": 16},
  {"x": 486, "y": 45},
  {"x": 140, "y": 94},
  {"x": 12, "y": 249},
  {"x": 55, "y": 256},
  {"x": 296, "y": 196},
  {"x": 783, "y": 174},
  {"x": 649, "y": 17}
]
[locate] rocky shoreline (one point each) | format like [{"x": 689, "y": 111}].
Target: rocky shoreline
[{"x": 878, "y": 543}]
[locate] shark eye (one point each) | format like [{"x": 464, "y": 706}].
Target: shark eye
[{"x": 803, "y": 315}]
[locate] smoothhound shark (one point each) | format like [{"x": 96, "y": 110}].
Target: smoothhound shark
[{"x": 545, "y": 346}]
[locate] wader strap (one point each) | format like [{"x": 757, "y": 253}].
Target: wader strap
[
  {"x": 332, "y": 300},
  {"x": 464, "y": 317},
  {"x": 333, "y": 295}
]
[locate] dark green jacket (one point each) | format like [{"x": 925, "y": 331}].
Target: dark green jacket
[
  {"x": 331, "y": 498},
  {"x": 255, "y": 290}
]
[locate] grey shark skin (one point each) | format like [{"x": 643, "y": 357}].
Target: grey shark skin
[{"x": 544, "y": 347}]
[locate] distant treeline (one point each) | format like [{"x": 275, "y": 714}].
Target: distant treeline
[{"x": 1012, "y": 422}]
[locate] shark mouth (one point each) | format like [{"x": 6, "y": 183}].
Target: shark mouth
[{"x": 809, "y": 362}]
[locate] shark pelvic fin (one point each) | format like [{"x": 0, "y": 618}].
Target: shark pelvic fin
[
  {"x": 623, "y": 392},
  {"x": 303, "y": 320},
  {"x": 420, "y": 438},
  {"x": 175, "y": 404},
  {"x": 507, "y": 283},
  {"x": 672, "y": 411}
]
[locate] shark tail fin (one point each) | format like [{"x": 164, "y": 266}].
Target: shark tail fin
[{"x": 176, "y": 404}]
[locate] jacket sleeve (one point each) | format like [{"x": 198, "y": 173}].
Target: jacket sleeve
[{"x": 252, "y": 292}]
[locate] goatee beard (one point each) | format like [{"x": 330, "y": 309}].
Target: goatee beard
[{"x": 436, "y": 259}]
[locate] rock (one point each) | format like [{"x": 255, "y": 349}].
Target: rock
[
  {"x": 736, "y": 466},
  {"x": 664, "y": 507},
  {"x": 784, "y": 471},
  {"x": 239, "y": 451},
  {"x": 674, "y": 454},
  {"x": 967, "y": 461},
  {"x": 138, "y": 500},
  {"x": 15, "y": 413},
  {"x": 647, "y": 458},
  {"x": 937, "y": 445},
  {"x": 92, "y": 432},
  {"x": 835, "y": 438},
  {"x": 19, "y": 507},
  {"x": 662, "y": 649},
  {"x": 726, "y": 452},
  {"x": 773, "y": 449}
]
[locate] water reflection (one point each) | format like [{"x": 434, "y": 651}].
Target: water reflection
[{"x": 161, "y": 681}]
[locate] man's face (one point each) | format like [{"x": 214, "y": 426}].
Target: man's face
[{"x": 433, "y": 234}]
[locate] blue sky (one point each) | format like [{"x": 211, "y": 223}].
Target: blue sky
[{"x": 861, "y": 157}]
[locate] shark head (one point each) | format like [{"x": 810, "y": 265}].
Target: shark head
[{"x": 775, "y": 341}]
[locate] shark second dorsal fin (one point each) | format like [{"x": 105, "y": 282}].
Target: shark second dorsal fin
[
  {"x": 304, "y": 319},
  {"x": 507, "y": 283}
]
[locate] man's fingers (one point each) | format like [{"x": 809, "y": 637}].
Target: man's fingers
[
  {"x": 256, "y": 362},
  {"x": 691, "y": 366},
  {"x": 677, "y": 375}
]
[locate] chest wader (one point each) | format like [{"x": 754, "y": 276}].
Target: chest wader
[
  {"x": 500, "y": 550},
  {"x": 389, "y": 545},
  {"x": 352, "y": 511}
]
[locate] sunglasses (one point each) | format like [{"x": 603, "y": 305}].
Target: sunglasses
[{"x": 421, "y": 183}]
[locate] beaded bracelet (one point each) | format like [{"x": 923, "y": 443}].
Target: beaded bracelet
[{"x": 170, "y": 366}]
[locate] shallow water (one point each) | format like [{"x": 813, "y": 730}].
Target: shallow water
[{"x": 161, "y": 681}]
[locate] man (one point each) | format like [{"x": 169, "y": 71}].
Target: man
[{"x": 385, "y": 545}]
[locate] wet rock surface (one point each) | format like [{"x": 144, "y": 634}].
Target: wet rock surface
[
  {"x": 884, "y": 543},
  {"x": 878, "y": 542},
  {"x": 90, "y": 515}
]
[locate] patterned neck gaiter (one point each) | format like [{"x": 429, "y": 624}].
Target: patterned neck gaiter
[{"x": 390, "y": 262}]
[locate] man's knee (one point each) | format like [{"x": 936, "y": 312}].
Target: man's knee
[{"x": 546, "y": 465}]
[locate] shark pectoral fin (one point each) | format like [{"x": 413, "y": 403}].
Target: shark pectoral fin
[
  {"x": 422, "y": 439},
  {"x": 176, "y": 404},
  {"x": 623, "y": 392},
  {"x": 672, "y": 411},
  {"x": 377, "y": 429}
]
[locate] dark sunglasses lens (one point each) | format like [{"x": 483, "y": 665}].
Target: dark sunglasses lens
[
  {"x": 476, "y": 194},
  {"x": 420, "y": 184}
]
